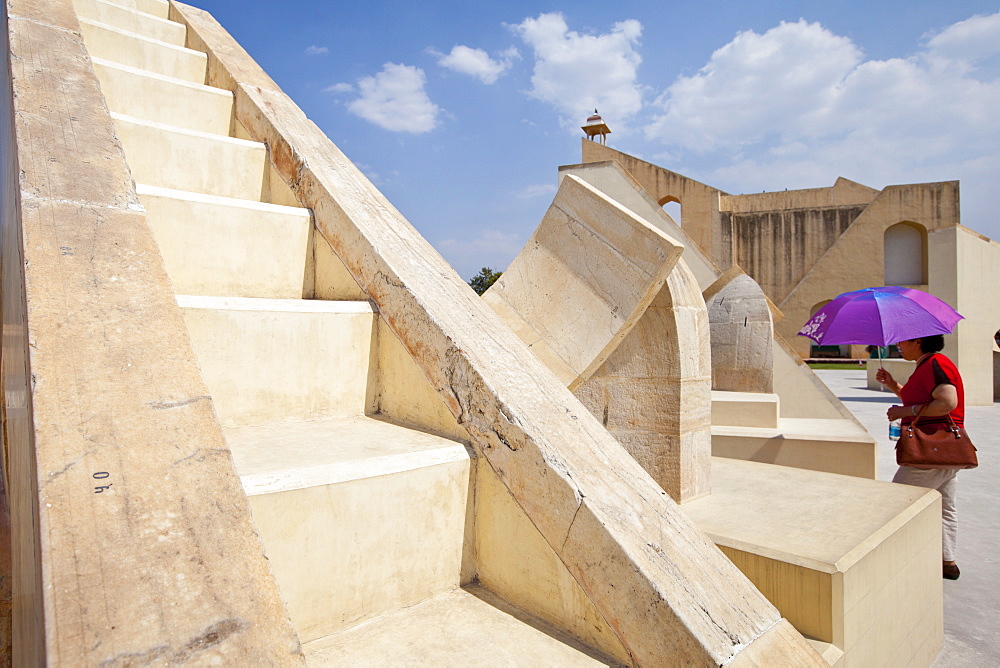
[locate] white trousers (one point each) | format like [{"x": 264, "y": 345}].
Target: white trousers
[{"x": 943, "y": 480}]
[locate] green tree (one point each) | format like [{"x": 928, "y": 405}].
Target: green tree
[{"x": 482, "y": 281}]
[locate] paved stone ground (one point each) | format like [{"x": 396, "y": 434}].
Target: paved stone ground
[{"x": 972, "y": 608}]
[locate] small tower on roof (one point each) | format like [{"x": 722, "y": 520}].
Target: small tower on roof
[{"x": 596, "y": 127}]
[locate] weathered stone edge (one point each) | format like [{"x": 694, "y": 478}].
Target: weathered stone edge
[{"x": 104, "y": 193}]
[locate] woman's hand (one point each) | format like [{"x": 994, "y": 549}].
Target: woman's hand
[
  {"x": 899, "y": 412},
  {"x": 886, "y": 379}
]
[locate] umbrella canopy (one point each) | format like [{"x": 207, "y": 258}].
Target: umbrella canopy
[{"x": 880, "y": 317}]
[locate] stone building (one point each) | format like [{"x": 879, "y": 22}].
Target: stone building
[{"x": 804, "y": 247}]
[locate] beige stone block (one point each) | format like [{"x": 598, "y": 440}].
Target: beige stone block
[
  {"x": 611, "y": 179},
  {"x": 771, "y": 649},
  {"x": 585, "y": 277},
  {"x": 465, "y": 627},
  {"x": 228, "y": 247},
  {"x": 133, "y": 50},
  {"x": 168, "y": 157},
  {"x": 98, "y": 376},
  {"x": 157, "y": 8},
  {"x": 741, "y": 333},
  {"x": 130, "y": 20},
  {"x": 332, "y": 279},
  {"x": 833, "y": 446},
  {"x": 745, "y": 409},
  {"x": 133, "y": 92},
  {"x": 60, "y": 15},
  {"x": 118, "y": 401},
  {"x": 653, "y": 392},
  {"x": 358, "y": 518},
  {"x": 851, "y": 562},
  {"x": 266, "y": 360},
  {"x": 900, "y": 370},
  {"x": 803, "y": 395},
  {"x": 401, "y": 392},
  {"x": 975, "y": 262},
  {"x": 61, "y": 113},
  {"x": 515, "y": 562}
]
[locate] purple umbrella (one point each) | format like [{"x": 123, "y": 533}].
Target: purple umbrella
[{"x": 880, "y": 317}]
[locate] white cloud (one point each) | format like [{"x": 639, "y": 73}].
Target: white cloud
[
  {"x": 966, "y": 43},
  {"x": 798, "y": 105},
  {"x": 755, "y": 86},
  {"x": 576, "y": 73},
  {"x": 477, "y": 63},
  {"x": 340, "y": 88},
  {"x": 316, "y": 50},
  {"x": 538, "y": 190},
  {"x": 395, "y": 99}
]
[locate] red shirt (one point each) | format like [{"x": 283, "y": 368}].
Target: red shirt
[{"x": 933, "y": 370}]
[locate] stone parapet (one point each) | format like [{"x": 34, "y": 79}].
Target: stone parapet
[{"x": 132, "y": 538}]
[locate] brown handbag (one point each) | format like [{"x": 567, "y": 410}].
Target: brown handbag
[{"x": 946, "y": 448}]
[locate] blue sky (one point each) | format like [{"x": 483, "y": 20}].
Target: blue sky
[{"x": 461, "y": 112}]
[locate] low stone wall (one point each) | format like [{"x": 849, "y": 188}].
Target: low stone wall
[{"x": 899, "y": 368}]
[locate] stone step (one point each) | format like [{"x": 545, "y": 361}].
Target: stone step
[
  {"x": 359, "y": 516},
  {"x": 132, "y": 20},
  {"x": 169, "y": 157},
  {"x": 463, "y": 627},
  {"x": 229, "y": 247},
  {"x": 268, "y": 360},
  {"x": 128, "y": 48},
  {"x": 832, "y": 654},
  {"x": 829, "y": 445},
  {"x": 158, "y": 8},
  {"x": 745, "y": 409},
  {"x": 836, "y": 555},
  {"x": 161, "y": 99}
]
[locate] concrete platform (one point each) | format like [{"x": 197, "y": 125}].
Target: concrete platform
[
  {"x": 837, "y": 555},
  {"x": 832, "y": 446},
  {"x": 464, "y": 627}
]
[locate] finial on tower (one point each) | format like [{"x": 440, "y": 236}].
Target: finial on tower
[{"x": 596, "y": 127}]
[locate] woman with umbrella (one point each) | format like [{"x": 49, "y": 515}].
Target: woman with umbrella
[
  {"x": 914, "y": 321},
  {"x": 934, "y": 391}
]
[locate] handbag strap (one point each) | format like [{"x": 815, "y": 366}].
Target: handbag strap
[{"x": 951, "y": 421}]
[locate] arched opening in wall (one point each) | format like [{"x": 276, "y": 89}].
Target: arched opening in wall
[
  {"x": 817, "y": 351},
  {"x": 672, "y": 207},
  {"x": 905, "y": 254},
  {"x": 996, "y": 366}
]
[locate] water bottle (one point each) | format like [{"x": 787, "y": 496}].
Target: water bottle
[{"x": 894, "y": 427}]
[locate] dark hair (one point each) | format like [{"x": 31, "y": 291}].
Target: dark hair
[{"x": 931, "y": 344}]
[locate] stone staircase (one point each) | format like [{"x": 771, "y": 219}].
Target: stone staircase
[{"x": 361, "y": 485}]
